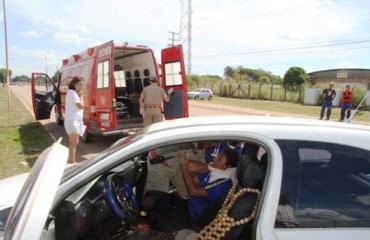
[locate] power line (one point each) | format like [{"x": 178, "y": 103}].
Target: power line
[{"x": 282, "y": 50}]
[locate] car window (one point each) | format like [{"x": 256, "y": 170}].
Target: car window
[
  {"x": 115, "y": 194},
  {"x": 119, "y": 144},
  {"x": 324, "y": 185}
]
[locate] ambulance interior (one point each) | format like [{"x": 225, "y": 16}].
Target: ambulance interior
[{"x": 133, "y": 69}]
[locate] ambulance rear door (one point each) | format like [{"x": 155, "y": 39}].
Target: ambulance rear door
[
  {"x": 104, "y": 86},
  {"x": 173, "y": 76},
  {"x": 43, "y": 92}
]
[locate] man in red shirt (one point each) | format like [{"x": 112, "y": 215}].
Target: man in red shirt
[{"x": 347, "y": 95}]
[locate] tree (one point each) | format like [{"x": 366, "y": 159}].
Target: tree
[
  {"x": 294, "y": 78},
  {"x": 22, "y": 78},
  {"x": 264, "y": 80},
  {"x": 55, "y": 76},
  {"x": 228, "y": 71},
  {"x": 3, "y": 75}
]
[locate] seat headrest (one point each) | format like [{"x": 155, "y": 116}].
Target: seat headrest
[{"x": 249, "y": 172}]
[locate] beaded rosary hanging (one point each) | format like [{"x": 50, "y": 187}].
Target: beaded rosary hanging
[{"x": 223, "y": 223}]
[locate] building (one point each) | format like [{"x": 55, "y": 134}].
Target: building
[{"x": 341, "y": 77}]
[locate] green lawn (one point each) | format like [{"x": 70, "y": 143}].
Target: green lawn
[
  {"x": 362, "y": 117},
  {"x": 22, "y": 138}
]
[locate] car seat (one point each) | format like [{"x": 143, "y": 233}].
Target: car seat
[{"x": 246, "y": 190}]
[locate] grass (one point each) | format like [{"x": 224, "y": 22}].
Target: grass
[
  {"x": 22, "y": 139},
  {"x": 361, "y": 117}
]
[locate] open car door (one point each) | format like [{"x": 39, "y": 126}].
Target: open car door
[
  {"x": 43, "y": 92},
  {"x": 173, "y": 76},
  {"x": 103, "y": 88}
]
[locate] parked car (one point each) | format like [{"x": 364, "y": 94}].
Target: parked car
[
  {"x": 316, "y": 183},
  {"x": 200, "y": 93}
]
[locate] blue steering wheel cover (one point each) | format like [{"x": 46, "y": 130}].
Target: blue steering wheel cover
[
  {"x": 128, "y": 191},
  {"x": 114, "y": 205}
]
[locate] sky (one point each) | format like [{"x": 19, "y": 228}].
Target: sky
[{"x": 272, "y": 35}]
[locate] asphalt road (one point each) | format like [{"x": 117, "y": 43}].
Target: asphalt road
[{"x": 87, "y": 150}]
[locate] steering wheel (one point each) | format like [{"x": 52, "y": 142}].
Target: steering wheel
[{"x": 120, "y": 196}]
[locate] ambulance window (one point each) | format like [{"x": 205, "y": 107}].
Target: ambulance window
[
  {"x": 173, "y": 74},
  {"x": 119, "y": 77},
  {"x": 103, "y": 74}
]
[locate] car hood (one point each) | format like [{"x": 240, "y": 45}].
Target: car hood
[
  {"x": 193, "y": 92},
  {"x": 30, "y": 212}
]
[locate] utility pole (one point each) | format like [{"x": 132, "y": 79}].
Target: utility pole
[
  {"x": 185, "y": 32},
  {"x": 173, "y": 39},
  {"x": 7, "y": 82}
]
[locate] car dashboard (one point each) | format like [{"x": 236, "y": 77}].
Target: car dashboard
[{"x": 87, "y": 213}]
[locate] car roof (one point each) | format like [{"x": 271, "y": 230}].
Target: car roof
[
  {"x": 272, "y": 127},
  {"x": 250, "y": 119}
]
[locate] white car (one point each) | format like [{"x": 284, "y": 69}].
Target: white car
[
  {"x": 315, "y": 183},
  {"x": 200, "y": 93}
]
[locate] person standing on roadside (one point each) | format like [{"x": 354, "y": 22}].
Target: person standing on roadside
[
  {"x": 347, "y": 96},
  {"x": 328, "y": 95},
  {"x": 151, "y": 99},
  {"x": 73, "y": 116}
]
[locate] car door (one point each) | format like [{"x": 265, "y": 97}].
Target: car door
[
  {"x": 43, "y": 92},
  {"x": 31, "y": 210},
  {"x": 173, "y": 76},
  {"x": 104, "y": 85},
  {"x": 203, "y": 94},
  {"x": 324, "y": 191}
]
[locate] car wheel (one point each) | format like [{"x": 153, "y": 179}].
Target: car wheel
[
  {"x": 58, "y": 120},
  {"x": 196, "y": 97},
  {"x": 210, "y": 98},
  {"x": 87, "y": 137}
]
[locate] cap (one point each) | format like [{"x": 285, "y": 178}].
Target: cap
[{"x": 348, "y": 85}]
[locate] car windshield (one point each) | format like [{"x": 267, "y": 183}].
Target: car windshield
[{"x": 121, "y": 143}]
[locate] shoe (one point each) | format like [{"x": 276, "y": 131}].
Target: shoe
[
  {"x": 327, "y": 119},
  {"x": 320, "y": 118},
  {"x": 341, "y": 120}
]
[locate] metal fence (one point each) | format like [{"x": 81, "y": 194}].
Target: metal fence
[
  {"x": 273, "y": 92},
  {"x": 252, "y": 91}
]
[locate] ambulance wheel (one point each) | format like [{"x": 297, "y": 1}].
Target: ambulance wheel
[
  {"x": 87, "y": 137},
  {"x": 58, "y": 120}
]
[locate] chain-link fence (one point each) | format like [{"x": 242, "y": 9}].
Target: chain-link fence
[{"x": 273, "y": 92}]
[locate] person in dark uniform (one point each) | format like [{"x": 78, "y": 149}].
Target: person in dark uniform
[
  {"x": 328, "y": 95},
  {"x": 151, "y": 100},
  {"x": 205, "y": 185}
]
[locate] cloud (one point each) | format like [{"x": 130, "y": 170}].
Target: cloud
[
  {"x": 62, "y": 25},
  {"x": 30, "y": 34},
  {"x": 70, "y": 37},
  {"x": 345, "y": 64}
]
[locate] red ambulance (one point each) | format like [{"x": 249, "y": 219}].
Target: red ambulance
[{"x": 114, "y": 75}]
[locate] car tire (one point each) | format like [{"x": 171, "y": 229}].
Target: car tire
[
  {"x": 87, "y": 137},
  {"x": 58, "y": 120},
  {"x": 196, "y": 97},
  {"x": 210, "y": 98}
]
